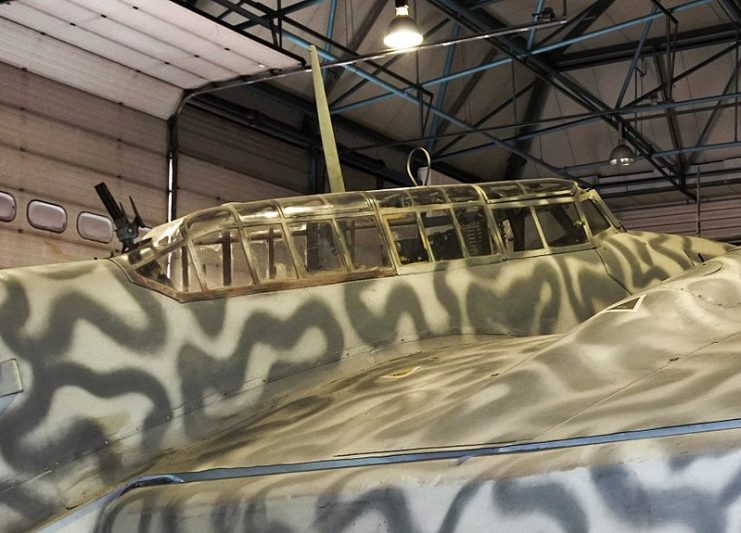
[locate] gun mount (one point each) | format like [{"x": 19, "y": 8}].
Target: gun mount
[{"x": 127, "y": 230}]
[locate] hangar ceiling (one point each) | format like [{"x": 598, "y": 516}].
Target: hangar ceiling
[
  {"x": 664, "y": 71},
  {"x": 143, "y": 54},
  {"x": 544, "y": 103}
]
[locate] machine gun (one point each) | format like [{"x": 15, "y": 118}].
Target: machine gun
[{"x": 127, "y": 230}]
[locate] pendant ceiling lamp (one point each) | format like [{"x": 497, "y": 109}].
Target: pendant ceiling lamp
[
  {"x": 622, "y": 155},
  {"x": 403, "y": 32}
]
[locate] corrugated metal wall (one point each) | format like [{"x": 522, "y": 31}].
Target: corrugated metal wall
[
  {"x": 203, "y": 184},
  {"x": 720, "y": 219},
  {"x": 56, "y": 143},
  {"x": 222, "y": 161},
  {"x": 72, "y": 66}
]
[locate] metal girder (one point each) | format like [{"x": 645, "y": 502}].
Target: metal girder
[
  {"x": 564, "y": 43},
  {"x": 535, "y": 105},
  {"x": 224, "y": 13},
  {"x": 634, "y": 63},
  {"x": 274, "y": 45},
  {"x": 432, "y": 109},
  {"x": 357, "y": 40},
  {"x": 361, "y": 83},
  {"x": 273, "y": 14},
  {"x": 710, "y": 124},
  {"x": 665, "y": 11},
  {"x": 426, "y": 47},
  {"x": 484, "y": 21},
  {"x": 583, "y": 14},
  {"x": 307, "y": 107},
  {"x": 540, "y": 49},
  {"x": 440, "y": 98},
  {"x": 630, "y": 189},
  {"x": 591, "y": 14},
  {"x": 671, "y": 118},
  {"x": 330, "y": 21},
  {"x": 665, "y": 153},
  {"x": 689, "y": 40},
  {"x": 498, "y": 109},
  {"x": 470, "y": 86},
  {"x": 547, "y": 69},
  {"x": 538, "y": 10},
  {"x": 478, "y": 4},
  {"x": 330, "y": 35},
  {"x": 298, "y": 137},
  {"x": 501, "y": 107},
  {"x": 298, "y": 6},
  {"x": 657, "y": 109},
  {"x": 732, "y": 8},
  {"x": 294, "y": 38},
  {"x": 645, "y": 96}
]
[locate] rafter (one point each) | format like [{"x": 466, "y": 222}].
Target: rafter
[
  {"x": 689, "y": 40},
  {"x": 357, "y": 40},
  {"x": 712, "y": 120},
  {"x": 485, "y": 22},
  {"x": 536, "y": 104},
  {"x": 470, "y": 86},
  {"x": 675, "y": 132}
]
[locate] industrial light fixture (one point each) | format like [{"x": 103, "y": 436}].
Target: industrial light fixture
[
  {"x": 622, "y": 155},
  {"x": 403, "y": 31}
]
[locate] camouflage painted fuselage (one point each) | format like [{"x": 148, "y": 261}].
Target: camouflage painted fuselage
[{"x": 104, "y": 380}]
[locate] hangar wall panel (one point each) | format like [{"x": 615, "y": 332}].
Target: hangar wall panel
[
  {"x": 42, "y": 54},
  {"x": 223, "y": 143},
  {"x": 56, "y": 144},
  {"x": 719, "y": 219},
  {"x": 202, "y": 184}
]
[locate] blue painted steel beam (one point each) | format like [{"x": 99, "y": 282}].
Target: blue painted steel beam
[
  {"x": 538, "y": 9},
  {"x": 666, "y": 153},
  {"x": 226, "y": 12},
  {"x": 645, "y": 96},
  {"x": 394, "y": 59},
  {"x": 482, "y": 3},
  {"x": 440, "y": 98},
  {"x": 574, "y": 20},
  {"x": 271, "y": 14},
  {"x": 714, "y": 115},
  {"x": 732, "y": 9},
  {"x": 330, "y": 21},
  {"x": 330, "y": 28},
  {"x": 298, "y": 6},
  {"x": 491, "y": 114},
  {"x": 625, "y": 110},
  {"x": 361, "y": 32},
  {"x": 634, "y": 61},
  {"x": 541, "y": 68},
  {"x": 540, "y": 50},
  {"x": 433, "y": 109}
]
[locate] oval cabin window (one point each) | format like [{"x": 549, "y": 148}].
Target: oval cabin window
[
  {"x": 7, "y": 207},
  {"x": 46, "y": 216},
  {"x": 95, "y": 227}
]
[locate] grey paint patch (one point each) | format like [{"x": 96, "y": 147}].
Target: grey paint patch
[{"x": 10, "y": 378}]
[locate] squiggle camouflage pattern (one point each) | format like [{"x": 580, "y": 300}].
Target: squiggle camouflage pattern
[{"x": 118, "y": 380}]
